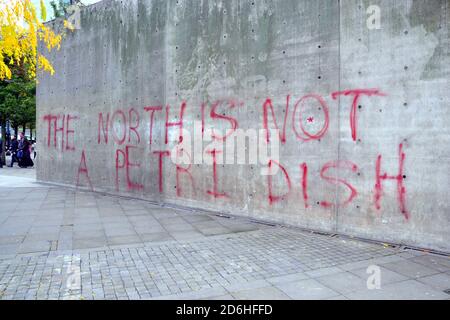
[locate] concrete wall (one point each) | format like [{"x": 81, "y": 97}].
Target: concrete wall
[{"x": 128, "y": 55}]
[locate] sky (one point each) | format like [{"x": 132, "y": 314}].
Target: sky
[{"x": 49, "y": 8}]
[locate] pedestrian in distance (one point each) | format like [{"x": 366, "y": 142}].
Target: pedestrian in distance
[
  {"x": 33, "y": 148},
  {"x": 13, "y": 149},
  {"x": 1, "y": 151},
  {"x": 24, "y": 153}
]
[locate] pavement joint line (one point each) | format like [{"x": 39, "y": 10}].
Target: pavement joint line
[{"x": 123, "y": 246}]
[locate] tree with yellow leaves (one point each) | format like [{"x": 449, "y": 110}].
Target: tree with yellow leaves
[{"x": 20, "y": 31}]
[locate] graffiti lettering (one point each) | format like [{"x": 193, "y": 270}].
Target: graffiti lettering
[{"x": 400, "y": 177}]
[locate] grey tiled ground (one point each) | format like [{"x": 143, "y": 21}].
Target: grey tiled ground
[{"x": 58, "y": 243}]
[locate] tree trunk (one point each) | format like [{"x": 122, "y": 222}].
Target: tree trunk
[
  {"x": 16, "y": 131},
  {"x": 31, "y": 132}
]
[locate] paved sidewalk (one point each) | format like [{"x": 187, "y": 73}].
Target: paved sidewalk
[{"x": 58, "y": 243}]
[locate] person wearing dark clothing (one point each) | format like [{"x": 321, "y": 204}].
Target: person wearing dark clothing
[
  {"x": 25, "y": 158},
  {"x": 13, "y": 149},
  {"x": 1, "y": 151},
  {"x": 21, "y": 139}
]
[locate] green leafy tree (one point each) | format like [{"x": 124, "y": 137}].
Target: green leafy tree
[
  {"x": 17, "y": 104},
  {"x": 59, "y": 8},
  {"x": 24, "y": 114}
]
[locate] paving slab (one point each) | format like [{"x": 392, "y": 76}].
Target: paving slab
[
  {"x": 411, "y": 269},
  {"x": 386, "y": 276},
  {"x": 265, "y": 293},
  {"x": 309, "y": 289},
  {"x": 343, "y": 282},
  {"x": 403, "y": 290},
  {"x": 439, "y": 281}
]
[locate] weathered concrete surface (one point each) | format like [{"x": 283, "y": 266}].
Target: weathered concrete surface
[{"x": 134, "y": 54}]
